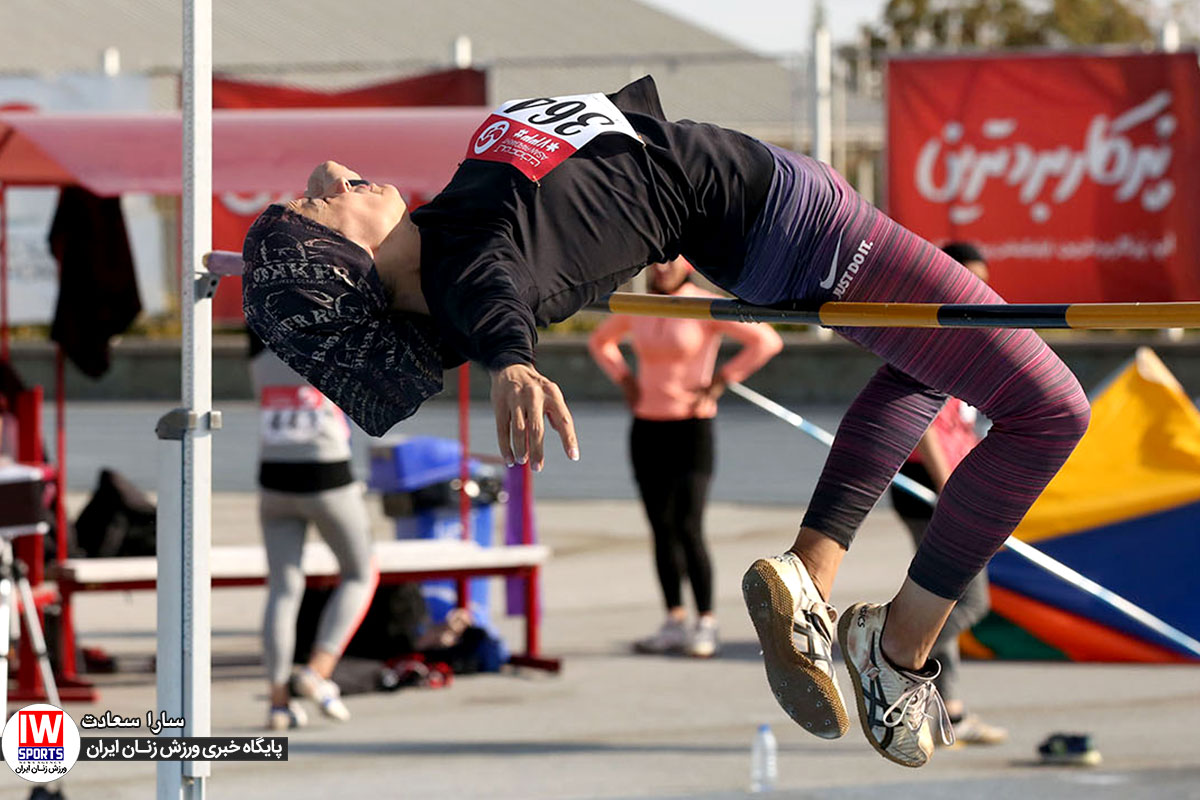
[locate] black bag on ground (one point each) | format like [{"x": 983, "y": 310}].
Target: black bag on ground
[
  {"x": 389, "y": 629},
  {"x": 119, "y": 520}
]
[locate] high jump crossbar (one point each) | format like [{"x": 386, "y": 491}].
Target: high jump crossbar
[
  {"x": 1082, "y": 316},
  {"x": 1090, "y": 316}
]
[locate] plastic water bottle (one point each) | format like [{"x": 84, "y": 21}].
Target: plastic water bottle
[{"x": 763, "y": 766}]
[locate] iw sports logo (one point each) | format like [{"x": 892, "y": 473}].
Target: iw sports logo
[
  {"x": 41, "y": 742},
  {"x": 39, "y": 736}
]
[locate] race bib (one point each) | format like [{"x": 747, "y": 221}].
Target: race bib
[
  {"x": 298, "y": 415},
  {"x": 538, "y": 134}
]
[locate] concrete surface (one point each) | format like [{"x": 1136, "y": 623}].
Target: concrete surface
[{"x": 617, "y": 725}]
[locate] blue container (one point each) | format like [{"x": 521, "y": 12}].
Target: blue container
[
  {"x": 441, "y": 596},
  {"x": 415, "y": 462}
]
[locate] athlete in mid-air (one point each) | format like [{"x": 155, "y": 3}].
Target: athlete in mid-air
[{"x": 561, "y": 199}]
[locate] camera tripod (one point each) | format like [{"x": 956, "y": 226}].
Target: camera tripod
[{"x": 13, "y": 573}]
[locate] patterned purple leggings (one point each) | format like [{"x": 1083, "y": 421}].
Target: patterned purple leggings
[{"x": 1037, "y": 408}]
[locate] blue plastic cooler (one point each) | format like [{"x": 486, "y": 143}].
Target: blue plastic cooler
[{"x": 419, "y": 462}]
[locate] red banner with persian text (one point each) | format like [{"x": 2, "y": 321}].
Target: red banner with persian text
[
  {"x": 234, "y": 213},
  {"x": 1074, "y": 174}
]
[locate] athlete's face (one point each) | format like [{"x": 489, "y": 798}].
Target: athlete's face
[
  {"x": 363, "y": 212},
  {"x": 666, "y": 278}
]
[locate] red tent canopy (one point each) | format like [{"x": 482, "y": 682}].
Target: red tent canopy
[{"x": 416, "y": 149}]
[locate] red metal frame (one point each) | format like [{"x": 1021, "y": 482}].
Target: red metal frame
[
  {"x": 532, "y": 656},
  {"x": 31, "y": 552},
  {"x": 3, "y": 272}
]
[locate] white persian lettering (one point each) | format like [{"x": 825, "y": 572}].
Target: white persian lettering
[{"x": 957, "y": 174}]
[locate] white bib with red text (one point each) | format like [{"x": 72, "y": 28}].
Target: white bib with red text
[
  {"x": 297, "y": 415},
  {"x": 538, "y": 134}
]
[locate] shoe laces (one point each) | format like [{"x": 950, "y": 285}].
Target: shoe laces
[{"x": 913, "y": 706}]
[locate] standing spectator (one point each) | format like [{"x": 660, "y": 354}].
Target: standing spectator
[
  {"x": 673, "y": 397},
  {"x": 944, "y": 445},
  {"x": 305, "y": 477}
]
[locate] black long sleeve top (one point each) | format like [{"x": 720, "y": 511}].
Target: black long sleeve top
[{"x": 502, "y": 254}]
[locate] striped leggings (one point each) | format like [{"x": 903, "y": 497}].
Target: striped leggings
[{"x": 1039, "y": 412}]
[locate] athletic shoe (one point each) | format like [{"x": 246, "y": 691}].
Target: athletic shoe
[
  {"x": 972, "y": 730},
  {"x": 322, "y": 691},
  {"x": 704, "y": 642},
  {"x": 1070, "y": 749},
  {"x": 671, "y": 637},
  {"x": 287, "y": 717},
  {"x": 895, "y": 706},
  {"x": 795, "y": 629}
]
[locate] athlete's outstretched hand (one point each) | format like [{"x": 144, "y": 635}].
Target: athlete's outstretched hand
[{"x": 521, "y": 396}]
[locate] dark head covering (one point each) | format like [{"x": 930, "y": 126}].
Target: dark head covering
[
  {"x": 963, "y": 252},
  {"x": 315, "y": 299}
]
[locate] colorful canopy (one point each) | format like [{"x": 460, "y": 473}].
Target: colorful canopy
[
  {"x": 253, "y": 151},
  {"x": 1124, "y": 511}
]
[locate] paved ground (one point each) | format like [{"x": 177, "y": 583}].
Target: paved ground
[
  {"x": 617, "y": 725},
  {"x": 613, "y": 724}
]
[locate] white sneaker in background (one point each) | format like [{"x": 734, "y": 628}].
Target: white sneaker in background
[
  {"x": 973, "y": 730},
  {"x": 896, "y": 707},
  {"x": 325, "y": 693},
  {"x": 795, "y": 628},
  {"x": 704, "y": 641},
  {"x": 285, "y": 718},
  {"x": 671, "y": 637}
]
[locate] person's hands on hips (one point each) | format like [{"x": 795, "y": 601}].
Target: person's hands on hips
[
  {"x": 711, "y": 393},
  {"x": 521, "y": 397}
]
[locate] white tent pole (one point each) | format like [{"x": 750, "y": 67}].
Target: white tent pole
[{"x": 185, "y": 492}]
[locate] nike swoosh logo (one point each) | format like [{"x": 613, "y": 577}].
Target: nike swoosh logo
[{"x": 828, "y": 280}]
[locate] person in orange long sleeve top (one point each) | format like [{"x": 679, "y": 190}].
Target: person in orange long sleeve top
[{"x": 673, "y": 396}]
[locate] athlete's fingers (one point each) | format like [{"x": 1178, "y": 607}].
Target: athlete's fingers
[
  {"x": 534, "y": 409},
  {"x": 504, "y": 432},
  {"x": 519, "y": 434},
  {"x": 561, "y": 420}
]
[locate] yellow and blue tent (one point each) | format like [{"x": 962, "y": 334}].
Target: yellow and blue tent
[{"x": 1125, "y": 512}]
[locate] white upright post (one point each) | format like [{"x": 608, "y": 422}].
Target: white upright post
[
  {"x": 821, "y": 85},
  {"x": 821, "y": 96},
  {"x": 185, "y": 497}
]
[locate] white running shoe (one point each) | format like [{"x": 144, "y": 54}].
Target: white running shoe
[
  {"x": 973, "y": 730},
  {"x": 795, "y": 628},
  {"x": 671, "y": 637},
  {"x": 286, "y": 718},
  {"x": 704, "y": 642},
  {"x": 896, "y": 707},
  {"x": 322, "y": 691}
]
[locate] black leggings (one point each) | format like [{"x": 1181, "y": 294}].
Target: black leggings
[{"x": 673, "y": 465}]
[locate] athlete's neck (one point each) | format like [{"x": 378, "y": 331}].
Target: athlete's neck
[{"x": 398, "y": 261}]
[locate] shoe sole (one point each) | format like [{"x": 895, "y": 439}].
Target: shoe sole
[
  {"x": 863, "y": 719},
  {"x": 813, "y": 703}
]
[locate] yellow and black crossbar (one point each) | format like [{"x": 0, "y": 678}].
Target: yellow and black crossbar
[{"x": 1091, "y": 316}]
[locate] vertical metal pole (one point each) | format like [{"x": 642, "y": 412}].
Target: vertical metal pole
[
  {"x": 4, "y": 274},
  {"x": 463, "y": 585},
  {"x": 184, "y": 588},
  {"x": 533, "y": 610},
  {"x": 821, "y": 83}
]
